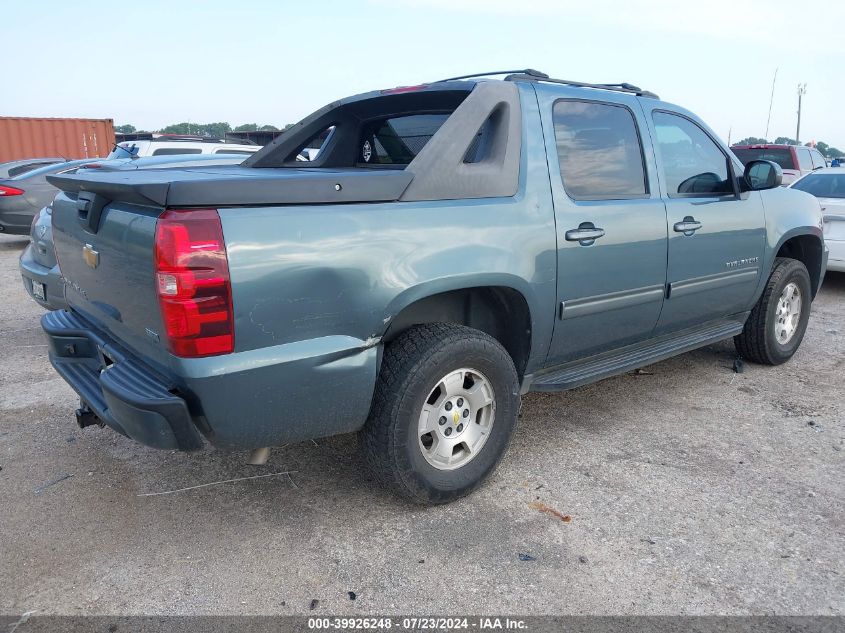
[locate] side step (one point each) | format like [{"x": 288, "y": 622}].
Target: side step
[{"x": 584, "y": 371}]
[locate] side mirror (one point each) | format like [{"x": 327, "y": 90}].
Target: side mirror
[{"x": 761, "y": 174}]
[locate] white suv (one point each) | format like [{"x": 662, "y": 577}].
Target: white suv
[{"x": 171, "y": 144}]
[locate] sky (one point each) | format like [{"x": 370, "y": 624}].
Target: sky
[{"x": 152, "y": 62}]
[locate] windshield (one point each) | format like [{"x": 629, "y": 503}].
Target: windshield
[
  {"x": 782, "y": 157},
  {"x": 823, "y": 185}
]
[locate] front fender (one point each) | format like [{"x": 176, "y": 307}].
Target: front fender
[{"x": 789, "y": 214}]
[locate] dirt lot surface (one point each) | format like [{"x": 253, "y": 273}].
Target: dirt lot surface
[{"x": 685, "y": 488}]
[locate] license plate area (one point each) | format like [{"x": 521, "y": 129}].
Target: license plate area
[{"x": 39, "y": 291}]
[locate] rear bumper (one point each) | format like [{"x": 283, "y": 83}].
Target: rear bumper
[
  {"x": 246, "y": 400},
  {"x": 31, "y": 271},
  {"x": 122, "y": 393}
]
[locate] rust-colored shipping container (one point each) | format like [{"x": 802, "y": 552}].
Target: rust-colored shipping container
[{"x": 23, "y": 137}]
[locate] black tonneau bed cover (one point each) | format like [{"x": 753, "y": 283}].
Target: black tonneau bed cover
[{"x": 237, "y": 185}]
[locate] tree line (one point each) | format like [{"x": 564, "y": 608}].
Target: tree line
[
  {"x": 215, "y": 130},
  {"x": 826, "y": 150}
]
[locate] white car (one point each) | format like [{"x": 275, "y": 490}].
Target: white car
[
  {"x": 172, "y": 144},
  {"x": 828, "y": 185}
]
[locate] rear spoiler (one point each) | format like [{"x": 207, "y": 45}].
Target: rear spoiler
[{"x": 236, "y": 186}]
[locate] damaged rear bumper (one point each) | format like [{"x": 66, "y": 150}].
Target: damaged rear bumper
[{"x": 123, "y": 393}]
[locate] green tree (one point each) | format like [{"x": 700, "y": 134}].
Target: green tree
[
  {"x": 268, "y": 128},
  {"x": 247, "y": 127},
  {"x": 827, "y": 151},
  {"x": 124, "y": 129},
  {"x": 752, "y": 140},
  {"x": 783, "y": 140},
  {"x": 215, "y": 130}
]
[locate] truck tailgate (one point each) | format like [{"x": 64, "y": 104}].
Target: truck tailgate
[
  {"x": 104, "y": 230},
  {"x": 109, "y": 274}
]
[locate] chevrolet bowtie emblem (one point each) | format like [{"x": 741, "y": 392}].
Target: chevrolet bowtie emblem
[
  {"x": 455, "y": 417},
  {"x": 91, "y": 257}
]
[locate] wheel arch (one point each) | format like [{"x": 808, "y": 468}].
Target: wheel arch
[
  {"x": 806, "y": 245},
  {"x": 497, "y": 306}
]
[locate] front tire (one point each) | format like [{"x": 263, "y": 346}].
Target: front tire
[
  {"x": 444, "y": 409},
  {"x": 776, "y": 326}
]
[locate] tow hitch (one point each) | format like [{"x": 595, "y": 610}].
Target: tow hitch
[{"x": 86, "y": 417}]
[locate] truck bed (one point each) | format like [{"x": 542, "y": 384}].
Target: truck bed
[{"x": 237, "y": 185}]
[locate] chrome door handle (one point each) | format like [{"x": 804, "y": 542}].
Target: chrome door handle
[
  {"x": 585, "y": 234},
  {"x": 688, "y": 226}
]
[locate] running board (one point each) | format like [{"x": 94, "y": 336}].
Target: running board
[{"x": 581, "y": 372}]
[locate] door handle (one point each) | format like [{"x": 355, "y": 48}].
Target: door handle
[
  {"x": 586, "y": 234},
  {"x": 688, "y": 226}
]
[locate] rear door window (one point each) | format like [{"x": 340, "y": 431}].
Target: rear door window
[
  {"x": 692, "y": 163},
  {"x": 805, "y": 163},
  {"x": 599, "y": 151}
]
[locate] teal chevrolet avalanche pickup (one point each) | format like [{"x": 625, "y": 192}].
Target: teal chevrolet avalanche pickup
[{"x": 450, "y": 247}]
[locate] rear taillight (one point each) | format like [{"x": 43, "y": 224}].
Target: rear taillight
[
  {"x": 9, "y": 191},
  {"x": 192, "y": 279}
]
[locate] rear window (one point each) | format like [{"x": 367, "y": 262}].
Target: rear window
[
  {"x": 171, "y": 151},
  {"x": 397, "y": 140},
  {"x": 46, "y": 169},
  {"x": 782, "y": 157},
  {"x": 22, "y": 169},
  {"x": 822, "y": 185}
]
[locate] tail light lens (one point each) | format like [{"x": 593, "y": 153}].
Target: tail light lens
[
  {"x": 192, "y": 278},
  {"x": 5, "y": 191}
]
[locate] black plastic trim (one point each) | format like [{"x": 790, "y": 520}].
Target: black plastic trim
[{"x": 126, "y": 395}]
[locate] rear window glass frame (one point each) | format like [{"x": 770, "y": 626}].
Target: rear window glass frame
[{"x": 608, "y": 197}]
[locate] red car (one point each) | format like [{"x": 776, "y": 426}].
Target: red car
[{"x": 795, "y": 160}]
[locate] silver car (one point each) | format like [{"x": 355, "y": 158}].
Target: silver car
[
  {"x": 39, "y": 268},
  {"x": 828, "y": 185}
]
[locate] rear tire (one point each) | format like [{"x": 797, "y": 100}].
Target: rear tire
[
  {"x": 444, "y": 409},
  {"x": 776, "y": 326}
]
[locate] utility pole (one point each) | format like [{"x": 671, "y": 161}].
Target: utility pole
[{"x": 802, "y": 90}]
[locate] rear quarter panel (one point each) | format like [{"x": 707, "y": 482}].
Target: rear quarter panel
[{"x": 305, "y": 272}]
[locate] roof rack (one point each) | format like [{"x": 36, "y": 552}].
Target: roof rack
[{"x": 530, "y": 74}]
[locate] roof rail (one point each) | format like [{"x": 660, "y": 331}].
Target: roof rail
[
  {"x": 525, "y": 71},
  {"x": 529, "y": 74}
]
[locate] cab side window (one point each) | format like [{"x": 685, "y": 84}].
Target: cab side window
[
  {"x": 599, "y": 151},
  {"x": 692, "y": 163},
  {"x": 805, "y": 163},
  {"x": 818, "y": 159}
]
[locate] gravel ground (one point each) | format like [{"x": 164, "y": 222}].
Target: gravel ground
[{"x": 685, "y": 489}]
